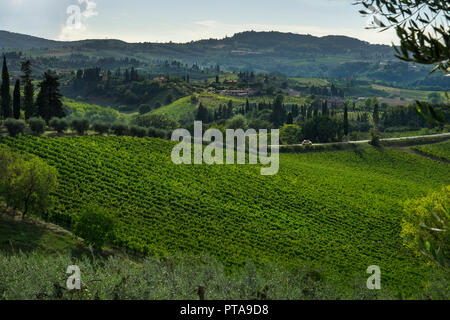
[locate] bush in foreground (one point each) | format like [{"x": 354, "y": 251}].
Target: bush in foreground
[
  {"x": 101, "y": 127},
  {"x": 59, "y": 124},
  {"x": 119, "y": 129},
  {"x": 37, "y": 126},
  {"x": 137, "y": 131},
  {"x": 95, "y": 225},
  {"x": 15, "y": 127},
  {"x": 169, "y": 278},
  {"x": 80, "y": 125}
]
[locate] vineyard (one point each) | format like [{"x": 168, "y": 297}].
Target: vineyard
[
  {"x": 438, "y": 150},
  {"x": 339, "y": 211}
]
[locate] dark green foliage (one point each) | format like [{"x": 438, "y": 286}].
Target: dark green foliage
[
  {"x": 95, "y": 225},
  {"x": 101, "y": 127},
  {"x": 169, "y": 99},
  {"x": 28, "y": 104},
  {"x": 346, "y": 120},
  {"x": 376, "y": 114},
  {"x": 159, "y": 121},
  {"x": 290, "y": 119},
  {"x": 202, "y": 114},
  {"x": 137, "y": 131},
  {"x": 290, "y": 134},
  {"x": 49, "y": 99},
  {"x": 375, "y": 139},
  {"x": 323, "y": 129},
  {"x": 16, "y": 100},
  {"x": 144, "y": 108},
  {"x": 158, "y": 133},
  {"x": 59, "y": 124},
  {"x": 5, "y": 93},
  {"x": 80, "y": 125},
  {"x": 278, "y": 116},
  {"x": 14, "y": 126},
  {"x": 37, "y": 125},
  {"x": 119, "y": 129}
]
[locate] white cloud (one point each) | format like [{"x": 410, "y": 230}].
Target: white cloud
[{"x": 76, "y": 26}]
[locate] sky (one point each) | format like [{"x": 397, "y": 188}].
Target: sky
[{"x": 183, "y": 20}]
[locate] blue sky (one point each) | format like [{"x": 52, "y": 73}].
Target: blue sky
[{"x": 183, "y": 20}]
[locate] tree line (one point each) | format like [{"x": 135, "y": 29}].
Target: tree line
[{"x": 47, "y": 104}]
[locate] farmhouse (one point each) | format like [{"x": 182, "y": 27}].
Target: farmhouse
[{"x": 239, "y": 93}]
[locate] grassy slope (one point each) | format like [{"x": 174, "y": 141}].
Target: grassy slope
[
  {"x": 181, "y": 109},
  {"x": 78, "y": 109},
  {"x": 409, "y": 95},
  {"x": 26, "y": 236},
  {"x": 339, "y": 210},
  {"x": 438, "y": 150}
]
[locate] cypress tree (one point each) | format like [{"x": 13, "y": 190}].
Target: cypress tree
[
  {"x": 278, "y": 116},
  {"x": 230, "y": 109},
  {"x": 376, "y": 115},
  {"x": 28, "y": 91},
  {"x": 16, "y": 100},
  {"x": 325, "y": 108},
  {"x": 345, "y": 120},
  {"x": 5, "y": 91},
  {"x": 202, "y": 114},
  {"x": 290, "y": 119},
  {"x": 49, "y": 99}
]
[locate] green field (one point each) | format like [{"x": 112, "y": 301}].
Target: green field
[
  {"x": 339, "y": 211},
  {"x": 182, "y": 109},
  {"x": 438, "y": 150},
  {"x": 76, "y": 109}
]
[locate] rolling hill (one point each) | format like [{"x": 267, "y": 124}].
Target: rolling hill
[{"x": 337, "y": 211}]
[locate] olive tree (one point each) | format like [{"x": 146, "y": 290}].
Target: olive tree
[{"x": 26, "y": 182}]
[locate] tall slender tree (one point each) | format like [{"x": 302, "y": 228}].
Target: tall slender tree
[
  {"x": 28, "y": 91},
  {"x": 16, "y": 100},
  {"x": 290, "y": 118},
  {"x": 345, "y": 119},
  {"x": 278, "y": 115},
  {"x": 49, "y": 99},
  {"x": 376, "y": 113},
  {"x": 5, "y": 92}
]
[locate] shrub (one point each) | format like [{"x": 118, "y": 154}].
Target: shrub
[
  {"x": 80, "y": 125},
  {"x": 290, "y": 134},
  {"x": 59, "y": 124},
  {"x": 237, "y": 122},
  {"x": 101, "y": 127},
  {"x": 95, "y": 225},
  {"x": 26, "y": 182},
  {"x": 425, "y": 226},
  {"x": 37, "y": 125},
  {"x": 119, "y": 129},
  {"x": 157, "y": 133},
  {"x": 375, "y": 140},
  {"x": 137, "y": 131},
  {"x": 144, "y": 108},
  {"x": 160, "y": 121},
  {"x": 14, "y": 126}
]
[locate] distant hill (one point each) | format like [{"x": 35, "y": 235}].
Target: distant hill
[
  {"x": 288, "y": 53},
  {"x": 244, "y": 40},
  {"x": 11, "y": 40}
]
